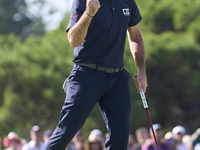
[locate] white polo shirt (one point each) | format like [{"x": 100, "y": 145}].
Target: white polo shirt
[
  {"x": 197, "y": 146},
  {"x": 32, "y": 146}
]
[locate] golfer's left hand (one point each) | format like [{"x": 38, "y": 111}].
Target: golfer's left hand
[{"x": 141, "y": 82}]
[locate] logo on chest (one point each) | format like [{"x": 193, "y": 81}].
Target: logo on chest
[{"x": 126, "y": 11}]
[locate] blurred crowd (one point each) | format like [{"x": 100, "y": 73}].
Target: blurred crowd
[{"x": 143, "y": 139}]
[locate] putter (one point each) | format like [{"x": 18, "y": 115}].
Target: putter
[{"x": 144, "y": 101}]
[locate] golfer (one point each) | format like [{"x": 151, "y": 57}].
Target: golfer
[{"x": 97, "y": 31}]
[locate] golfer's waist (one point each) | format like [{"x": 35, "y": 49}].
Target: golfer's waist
[{"x": 101, "y": 68}]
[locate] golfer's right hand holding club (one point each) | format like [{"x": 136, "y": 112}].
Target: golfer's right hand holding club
[
  {"x": 92, "y": 6},
  {"x": 141, "y": 83},
  {"x": 141, "y": 86}
]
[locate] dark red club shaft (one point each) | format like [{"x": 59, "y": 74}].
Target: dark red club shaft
[{"x": 152, "y": 128}]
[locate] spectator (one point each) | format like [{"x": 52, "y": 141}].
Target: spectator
[
  {"x": 170, "y": 140},
  {"x": 150, "y": 143},
  {"x": 178, "y": 133},
  {"x": 96, "y": 140},
  {"x": 99, "y": 133},
  {"x": 12, "y": 142},
  {"x": 0, "y": 143},
  {"x": 131, "y": 142},
  {"x": 195, "y": 138},
  {"x": 36, "y": 140},
  {"x": 47, "y": 134},
  {"x": 142, "y": 135},
  {"x": 78, "y": 141},
  {"x": 197, "y": 146},
  {"x": 71, "y": 146},
  {"x": 187, "y": 139}
]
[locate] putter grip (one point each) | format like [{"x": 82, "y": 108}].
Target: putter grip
[{"x": 144, "y": 101}]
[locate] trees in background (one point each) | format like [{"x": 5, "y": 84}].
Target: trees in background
[
  {"x": 161, "y": 16},
  {"x": 173, "y": 71},
  {"x": 172, "y": 40},
  {"x": 23, "y": 17},
  {"x": 31, "y": 78},
  {"x": 13, "y": 17}
]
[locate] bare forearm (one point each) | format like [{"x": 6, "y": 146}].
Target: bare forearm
[
  {"x": 78, "y": 32},
  {"x": 138, "y": 52}
]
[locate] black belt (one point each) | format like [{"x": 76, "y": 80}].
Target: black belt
[{"x": 101, "y": 68}]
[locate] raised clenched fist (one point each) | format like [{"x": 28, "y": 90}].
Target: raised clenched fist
[{"x": 92, "y": 6}]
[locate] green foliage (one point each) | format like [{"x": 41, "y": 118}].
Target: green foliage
[
  {"x": 31, "y": 77},
  {"x": 16, "y": 17},
  {"x": 157, "y": 15},
  {"x": 160, "y": 15},
  {"x": 185, "y": 12},
  {"x": 194, "y": 29},
  {"x": 172, "y": 69},
  {"x": 13, "y": 17}
]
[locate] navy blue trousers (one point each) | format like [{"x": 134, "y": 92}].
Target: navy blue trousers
[{"x": 85, "y": 87}]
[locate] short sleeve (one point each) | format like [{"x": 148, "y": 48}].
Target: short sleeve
[
  {"x": 78, "y": 7},
  {"x": 135, "y": 15}
]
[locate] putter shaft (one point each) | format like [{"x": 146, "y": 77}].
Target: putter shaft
[{"x": 144, "y": 101}]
